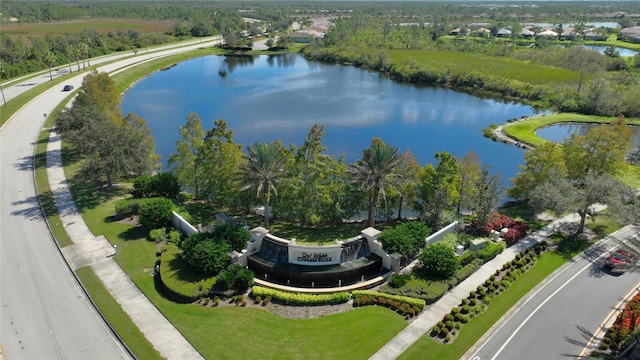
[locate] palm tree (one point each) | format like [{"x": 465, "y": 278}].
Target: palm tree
[
  {"x": 374, "y": 172},
  {"x": 262, "y": 170}
]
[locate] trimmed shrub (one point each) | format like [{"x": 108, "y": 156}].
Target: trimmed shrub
[
  {"x": 439, "y": 261},
  {"x": 155, "y": 213},
  {"x": 288, "y": 298},
  {"x": 398, "y": 280},
  {"x": 127, "y": 207}
]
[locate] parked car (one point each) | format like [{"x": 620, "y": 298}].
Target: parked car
[
  {"x": 67, "y": 88},
  {"x": 620, "y": 261}
]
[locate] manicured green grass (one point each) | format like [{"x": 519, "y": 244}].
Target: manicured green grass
[
  {"x": 44, "y": 191},
  {"x": 118, "y": 319},
  {"x": 464, "y": 62},
  {"x": 525, "y": 130},
  {"x": 179, "y": 276},
  {"x": 470, "y": 333}
]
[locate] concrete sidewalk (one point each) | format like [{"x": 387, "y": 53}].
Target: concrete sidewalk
[
  {"x": 98, "y": 253},
  {"x": 435, "y": 312}
]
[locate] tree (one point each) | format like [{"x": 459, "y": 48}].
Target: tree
[
  {"x": 98, "y": 90},
  {"x": 262, "y": 170},
  {"x": 438, "y": 189},
  {"x": 308, "y": 198},
  {"x": 49, "y": 60},
  {"x": 469, "y": 171},
  {"x": 561, "y": 195},
  {"x": 540, "y": 164},
  {"x": 219, "y": 159},
  {"x": 439, "y": 260},
  {"x": 409, "y": 173},
  {"x": 375, "y": 172},
  {"x": 592, "y": 161},
  {"x": 110, "y": 149},
  {"x": 184, "y": 162},
  {"x": 487, "y": 195}
]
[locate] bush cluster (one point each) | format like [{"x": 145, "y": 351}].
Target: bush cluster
[
  {"x": 398, "y": 280},
  {"x": 127, "y": 207},
  {"x": 439, "y": 260},
  {"x": 405, "y": 239},
  {"x": 234, "y": 277},
  {"x": 405, "y": 306},
  {"x": 209, "y": 251},
  {"x": 161, "y": 185},
  {"x": 155, "y": 213},
  {"x": 288, "y": 298}
]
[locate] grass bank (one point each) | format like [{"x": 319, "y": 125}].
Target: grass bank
[
  {"x": 525, "y": 130},
  {"x": 471, "y": 332}
]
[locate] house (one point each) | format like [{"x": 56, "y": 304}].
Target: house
[
  {"x": 460, "y": 32},
  {"x": 527, "y": 33},
  {"x": 570, "y": 33},
  {"x": 547, "y": 34},
  {"x": 630, "y": 34},
  {"x": 595, "y": 34},
  {"x": 503, "y": 33},
  {"x": 300, "y": 36},
  {"x": 482, "y": 32}
]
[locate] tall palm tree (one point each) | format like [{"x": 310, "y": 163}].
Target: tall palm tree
[
  {"x": 374, "y": 172},
  {"x": 262, "y": 170}
]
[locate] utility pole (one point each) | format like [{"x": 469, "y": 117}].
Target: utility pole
[{"x": 1, "y": 90}]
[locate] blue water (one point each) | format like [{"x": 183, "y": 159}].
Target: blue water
[
  {"x": 558, "y": 132},
  {"x": 622, "y": 51},
  {"x": 265, "y": 98}
]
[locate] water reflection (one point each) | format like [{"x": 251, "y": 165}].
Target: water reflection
[
  {"x": 558, "y": 132},
  {"x": 265, "y": 98}
]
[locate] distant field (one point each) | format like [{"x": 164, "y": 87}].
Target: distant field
[
  {"x": 508, "y": 68},
  {"x": 18, "y": 30}
]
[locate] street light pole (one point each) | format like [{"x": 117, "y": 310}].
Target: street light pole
[{"x": 1, "y": 90}]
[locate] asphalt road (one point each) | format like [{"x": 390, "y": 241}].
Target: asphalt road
[
  {"x": 43, "y": 312},
  {"x": 562, "y": 317}
]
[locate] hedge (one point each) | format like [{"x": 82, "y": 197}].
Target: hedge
[
  {"x": 405, "y": 299},
  {"x": 289, "y": 298}
]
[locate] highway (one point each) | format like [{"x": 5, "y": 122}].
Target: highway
[
  {"x": 44, "y": 314},
  {"x": 561, "y": 317}
]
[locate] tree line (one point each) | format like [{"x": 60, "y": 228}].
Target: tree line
[{"x": 304, "y": 185}]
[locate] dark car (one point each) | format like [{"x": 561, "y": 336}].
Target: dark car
[
  {"x": 67, "y": 88},
  {"x": 620, "y": 261}
]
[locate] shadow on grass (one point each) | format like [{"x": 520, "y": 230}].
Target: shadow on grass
[
  {"x": 184, "y": 272},
  {"x": 133, "y": 233},
  {"x": 88, "y": 193},
  {"x": 570, "y": 245}
]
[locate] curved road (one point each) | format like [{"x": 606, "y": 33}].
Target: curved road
[
  {"x": 43, "y": 312},
  {"x": 562, "y": 317}
]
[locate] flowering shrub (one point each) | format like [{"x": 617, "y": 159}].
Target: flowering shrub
[
  {"x": 516, "y": 229},
  {"x": 626, "y": 322},
  {"x": 497, "y": 222}
]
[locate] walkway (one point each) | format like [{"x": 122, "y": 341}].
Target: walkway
[
  {"x": 98, "y": 253},
  {"x": 435, "y": 312}
]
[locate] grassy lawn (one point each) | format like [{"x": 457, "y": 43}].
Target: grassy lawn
[
  {"x": 525, "y": 130},
  {"x": 116, "y": 316},
  {"x": 428, "y": 348},
  {"x": 465, "y": 62}
]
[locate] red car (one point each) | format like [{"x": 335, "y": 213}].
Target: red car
[{"x": 620, "y": 260}]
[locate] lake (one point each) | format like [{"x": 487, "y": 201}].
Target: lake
[
  {"x": 558, "y": 132},
  {"x": 621, "y": 51},
  {"x": 265, "y": 98}
]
